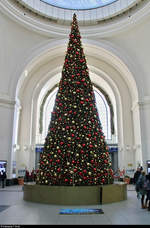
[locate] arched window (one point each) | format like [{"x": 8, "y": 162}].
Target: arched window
[{"x": 102, "y": 106}]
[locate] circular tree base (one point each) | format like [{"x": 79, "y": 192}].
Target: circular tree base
[{"x": 75, "y": 195}]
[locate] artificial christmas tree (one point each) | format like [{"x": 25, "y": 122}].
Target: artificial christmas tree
[{"x": 75, "y": 151}]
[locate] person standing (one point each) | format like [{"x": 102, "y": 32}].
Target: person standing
[
  {"x": 140, "y": 188},
  {"x": 147, "y": 187},
  {"x": 136, "y": 175},
  {"x": 3, "y": 178}
]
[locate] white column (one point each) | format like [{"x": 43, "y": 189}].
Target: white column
[
  {"x": 144, "y": 108},
  {"x": 6, "y": 131},
  {"x": 15, "y": 147}
]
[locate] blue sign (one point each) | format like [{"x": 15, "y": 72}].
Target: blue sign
[
  {"x": 113, "y": 149},
  {"x": 39, "y": 149}
]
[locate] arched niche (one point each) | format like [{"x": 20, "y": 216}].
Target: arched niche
[{"x": 106, "y": 64}]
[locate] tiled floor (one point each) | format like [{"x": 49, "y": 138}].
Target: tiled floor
[{"x": 19, "y": 212}]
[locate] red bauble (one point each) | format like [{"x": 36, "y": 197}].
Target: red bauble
[
  {"x": 59, "y": 169},
  {"x": 103, "y": 180}
]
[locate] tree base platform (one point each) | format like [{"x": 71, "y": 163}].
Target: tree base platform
[{"x": 75, "y": 195}]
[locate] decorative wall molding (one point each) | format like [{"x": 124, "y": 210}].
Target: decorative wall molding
[
  {"x": 6, "y": 102},
  {"x": 54, "y": 27}
]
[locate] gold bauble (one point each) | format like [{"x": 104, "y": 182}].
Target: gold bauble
[
  {"x": 89, "y": 173},
  {"x": 77, "y": 155},
  {"x": 71, "y": 172},
  {"x": 55, "y": 156}
]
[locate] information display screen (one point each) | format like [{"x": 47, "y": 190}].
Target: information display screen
[
  {"x": 148, "y": 166},
  {"x": 3, "y": 166}
]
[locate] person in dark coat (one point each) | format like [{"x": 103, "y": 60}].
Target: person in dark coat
[
  {"x": 147, "y": 186},
  {"x": 140, "y": 188},
  {"x": 136, "y": 175},
  {"x": 3, "y": 178}
]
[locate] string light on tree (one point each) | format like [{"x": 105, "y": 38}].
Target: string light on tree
[{"x": 75, "y": 151}]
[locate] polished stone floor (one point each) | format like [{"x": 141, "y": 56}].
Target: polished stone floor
[{"x": 15, "y": 211}]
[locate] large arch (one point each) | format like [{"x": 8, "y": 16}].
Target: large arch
[{"x": 106, "y": 63}]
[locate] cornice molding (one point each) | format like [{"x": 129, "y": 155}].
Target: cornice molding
[
  {"x": 6, "y": 102},
  {"x": 141, "y": 104},
  {"x": 52, "y": 28}
]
